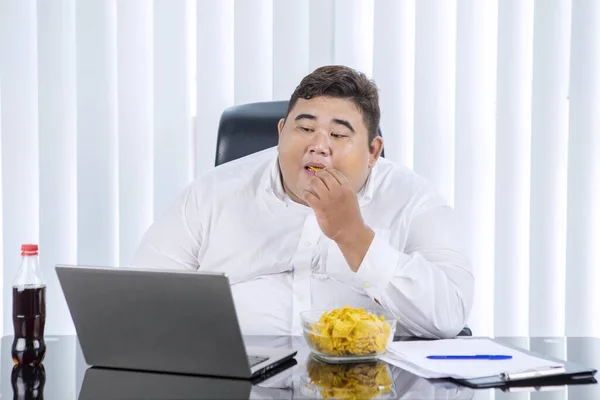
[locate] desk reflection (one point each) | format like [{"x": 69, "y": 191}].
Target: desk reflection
[
  {"x": 67, "y": 376},
  {"x": 312, "y": 379},
  {"x": 366, "y": 381},
  {"x": 101, "y": 383},
  {"x": 28, "y": 382}
]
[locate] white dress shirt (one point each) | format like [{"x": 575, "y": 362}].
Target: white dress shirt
[{"x": 237, "y": 219}]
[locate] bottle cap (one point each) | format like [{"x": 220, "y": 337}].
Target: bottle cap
[{"x": 29, "y": 250}]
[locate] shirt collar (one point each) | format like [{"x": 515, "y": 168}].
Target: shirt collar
[{"x": 272, "y": 184}]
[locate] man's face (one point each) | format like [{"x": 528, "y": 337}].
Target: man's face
[{"x": 324, "y": 132}]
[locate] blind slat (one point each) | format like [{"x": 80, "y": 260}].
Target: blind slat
[
  {"x": 475, "y": 147},
  {"x": 253, "y": 69},
  {"x": 394, "y": 73},
  {"x": 550, "y": 119},
  {"x": 513, "y": 166},
  {"x": 20, "y": 162},
  {"x": 583, "y": 235},
  {"x": 173, "y": 145},
  {"x": 97, "y": 167},
  {"x": 435, "y": 66},
  {"x": 354, "y": 34},
  {"x": 321, "y": 33},
  {"x": 58, "y": 151},
  {"x": 214, "y": 74},
  {"x": 136, "y": 144},
  {"x": 291, "y": 48},
  {"x": 2, "y": 311}
]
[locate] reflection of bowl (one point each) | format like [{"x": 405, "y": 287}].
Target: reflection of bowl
[
  {"x": 347, "y": 334},
  {"x": 369, "y": 380}
]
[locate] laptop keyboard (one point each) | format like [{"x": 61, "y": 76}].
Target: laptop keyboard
[{"x": 254, "y": 360}]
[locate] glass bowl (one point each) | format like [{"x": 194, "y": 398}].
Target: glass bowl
[
  {"x": 366, "y": 380},
  {"x": 347, "y": 334}
]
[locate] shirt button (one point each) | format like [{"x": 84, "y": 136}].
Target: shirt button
[
  {"x": 307, "y": 243},
  {"x": 367, "y": 284}
]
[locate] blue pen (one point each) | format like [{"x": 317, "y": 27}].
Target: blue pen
[{"x": 471, "y": 357}]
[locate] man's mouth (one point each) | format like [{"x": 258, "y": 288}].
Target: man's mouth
[{"x": 312, "y": 168}]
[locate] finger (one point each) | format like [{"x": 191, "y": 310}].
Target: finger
[
  {"x": 310, "y": 198},
  {"x": 328, "y": 179},
  {"x": 341, "y": 178},
  {"x": 319, "y": 188}
]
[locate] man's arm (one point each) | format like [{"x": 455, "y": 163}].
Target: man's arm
[
  {"x": 355, "y": 244},
  {"x": 429, "y": 285},
  {"x": 173, "y": 241}
]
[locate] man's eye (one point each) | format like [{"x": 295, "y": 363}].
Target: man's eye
[
  {"x": 339, "y": 136},
  {"x": 305, "y": 129}
]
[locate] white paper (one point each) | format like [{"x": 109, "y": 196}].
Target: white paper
[{"x": 412, "y": 356}]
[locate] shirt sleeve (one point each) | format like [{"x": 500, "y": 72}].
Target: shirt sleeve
[
  {"x": 429, "y": 285},
  {"x": 173, "y": 241}
]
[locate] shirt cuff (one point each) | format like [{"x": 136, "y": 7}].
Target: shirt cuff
[{"x": 379, "y": 266}]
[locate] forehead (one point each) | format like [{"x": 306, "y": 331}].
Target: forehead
[{"x": 325, "y": 109}]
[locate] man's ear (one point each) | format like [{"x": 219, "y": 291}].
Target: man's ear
[
  {"x": 280, "y": 126},
  {"x": 375, "y": 149}
]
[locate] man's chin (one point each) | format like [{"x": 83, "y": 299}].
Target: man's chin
[
  {"x": 293, "y": 194},
  {"x": 299, "y": 199},
  {"x": 298, "y": 196}
]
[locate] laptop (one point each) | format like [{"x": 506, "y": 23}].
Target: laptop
[{"x": 161, "y": 321}]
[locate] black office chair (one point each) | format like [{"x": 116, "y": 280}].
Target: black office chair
[{"x": 249, "y": 128}]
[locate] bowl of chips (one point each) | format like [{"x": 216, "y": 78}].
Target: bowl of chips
[
  {"x": 347, "y": 334},
  {"x": 365, "y": 380}
]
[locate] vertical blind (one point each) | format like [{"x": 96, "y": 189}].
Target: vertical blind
[{"x": 108, "y": 109}]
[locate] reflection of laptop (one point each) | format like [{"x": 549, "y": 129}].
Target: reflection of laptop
[
  {"x": 105, "y": 383},
  {"x": 109, "y": 383},
  {"x": 166, "y": 321}
]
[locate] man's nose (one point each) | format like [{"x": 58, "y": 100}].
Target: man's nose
[{"x": 320, "y": 144}]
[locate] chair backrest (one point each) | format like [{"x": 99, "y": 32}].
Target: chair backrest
[{"x": 249, "y": 128}]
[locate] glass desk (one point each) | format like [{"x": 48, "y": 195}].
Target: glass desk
[{"x": 67, "y": 376}]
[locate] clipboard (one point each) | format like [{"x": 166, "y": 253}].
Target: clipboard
[{"x": 571, "y": 374}]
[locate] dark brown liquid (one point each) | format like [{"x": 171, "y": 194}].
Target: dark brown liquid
[
  {"x": 28, "y": 382},
  {"x": 29, "y": 318}
]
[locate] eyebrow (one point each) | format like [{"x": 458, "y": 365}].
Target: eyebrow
[
  {"x": 335, "y": 120},
  {"x": 304, "y": 116},
  {"x": 343, "y": 122}
]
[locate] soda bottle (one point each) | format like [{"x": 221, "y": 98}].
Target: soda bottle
[
  {"x": 29, "y": 309},
  {"x": 28, "y": 382}
]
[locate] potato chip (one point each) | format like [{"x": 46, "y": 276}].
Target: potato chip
[{"x": 350, "y": 331}]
